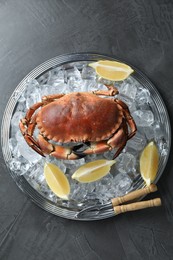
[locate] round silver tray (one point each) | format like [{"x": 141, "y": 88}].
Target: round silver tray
[{"x": 61, "y": 208}]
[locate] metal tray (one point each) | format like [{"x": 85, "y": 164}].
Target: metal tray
[{"x": 69, "y": 209}]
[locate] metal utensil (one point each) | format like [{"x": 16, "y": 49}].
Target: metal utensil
[{"x": 115, "y": 205}]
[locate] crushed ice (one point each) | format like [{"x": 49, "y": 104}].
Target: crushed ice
[{"x": 79, "y": 77}]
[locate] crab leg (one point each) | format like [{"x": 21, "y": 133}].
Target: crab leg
[
  {"x": 29, "y": 139},
  {"x": 112, "y": 91},
  {"x": 33, "y": 144},
  {"x": 61, "y": 152},
  {"x": 95, "y": 148},
  {"x": 45, "y": 100},
  {"x": 51, "y": 98},
  {"x": 31, "y": 125},
  {"x": 27, "y": 124},
  {"x": 57, "y": 151},
  {"x": 102, "y": 147},
  {"x": 118, "y": 140},
  {"x": 32, "y": 110},
  {"x": 128, "y": 117}
]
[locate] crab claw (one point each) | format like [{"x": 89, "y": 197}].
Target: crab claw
[
  {"x": 63, "y": 153},
  {"x": 58, "y": 151},
  {"x": 67, "y": 153},
  {"x": 95, "y": 148}
]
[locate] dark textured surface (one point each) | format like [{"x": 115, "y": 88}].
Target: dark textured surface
[{"x": 137, "y": 31}]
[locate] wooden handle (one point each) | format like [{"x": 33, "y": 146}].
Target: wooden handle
[
  {"x": 137, "y": 205},
  {"x": 134, "y": 195}
]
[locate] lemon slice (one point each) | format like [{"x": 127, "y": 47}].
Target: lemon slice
[
  {"x": 56, "y": 180},
  {"x": 93, "y": 171},
  {"x": 149, "y": 162},
  {"x": 112, "y": 70}
]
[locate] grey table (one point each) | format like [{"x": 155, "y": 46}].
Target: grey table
[{"x": 31, "y": 32}]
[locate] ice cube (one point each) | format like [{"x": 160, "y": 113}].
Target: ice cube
[
  {"x": 21, "y": 107},
  {"x": 91, "y": 85},
  {"x": 75, "y": 84},
  {"x": 12, "y": 143},
  {"x": 90, "y": 187},
  {"x": 78, "y": 64},
  {"x": 15, "y": 122},
  {"x": 24, "y": 168},
  {"x": 44, "y": 78},
  {"x": 51, "y": 196},
  {"x": 62, "y": 88},
  {"x": 90, "y": 191},
  {"x": 142, "y": 96},
  {"x": 158, "y": 130},
  {"x": 103, "y": 190},
  {"x": 74, "y": 80},
  {"x": 128, "y": 101},
  {"x": 101, "y": 86},
  {"x": 58, "y": 76},
  {"x": 137, "y": 142},
  {"x": 73, "y": 72},
  {"x": 149, "y": 132},
  {"x": 152, "y": 133},
  {"x": 45, "y": 90},
  {"x": 37, "y": 180},
  {"x": 109, "y": 154},
  {"x": 91, "y": 157},
  {"x": 22, "y": 98},
  {"x": 53, "y": 89},
  {"x": 31, "y": 85},
  {"x": 34, "y": 171},
  {"x": 27, "y": 152},
  {"x": 163, "y": 146},
  {"x": 125, "y": 162},
  {"x": 128, "y": 88},
  {"x": 16, "y": 118},
  {"x": 101, "y": 193},
  {"x": 107, "y": 180},
  {"x": 88, "y": 73},
  {"x": 78, "y": 191},
  {"x": 33, "y": 97},
  {"x": 121, "y": 184},
  {"x": 14, "y": 164},
  {"x": 143, "y": 117},
  {"x": 40, "y": 178},
  {"x": 13, "y": 146},
  {"x": 19, "y": 137},
  {"x": 104, "y": 81},
  {"x": 87, "y": 85}
]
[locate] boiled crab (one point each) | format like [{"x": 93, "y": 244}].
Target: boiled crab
[{"x": 102, "y": 124}]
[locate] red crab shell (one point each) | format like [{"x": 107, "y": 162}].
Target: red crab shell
[{"x": 79, "y": 117}]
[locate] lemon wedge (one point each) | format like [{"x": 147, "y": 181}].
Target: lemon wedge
[
  {"x": 111, "y": 70},
  {"x": 93, "y": 171},
  {"x": 56, "y": 180},
  {"x": 149, "y": 162}
]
